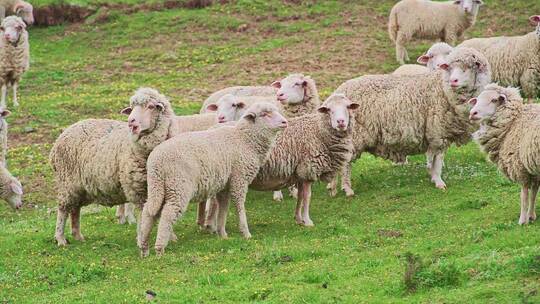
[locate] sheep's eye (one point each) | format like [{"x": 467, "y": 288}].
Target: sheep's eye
[
  {"x": 494, "y": 100},
  {"x": 297, "y": 84},
  {"x": 19, "y": 28},
  {"x": 151, "y": 106},
  {"x": 2, "y": 28},
  {"x": 234, "y": 105}
]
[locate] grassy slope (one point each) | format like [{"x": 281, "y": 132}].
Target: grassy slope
[{"x": 468, "y": 238}]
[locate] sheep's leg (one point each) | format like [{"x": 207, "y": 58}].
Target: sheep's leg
[
  {"x": 4, "y": 95},
  {"x": 223, "y": 201},
  {"x": 524, "y": 217},
  {"x": 278, "y": 196},
  {"x": 61, "y": 217},
  {"x": 76, "y": 224},
  {"x": 130, "y": 213},
  {"x": 298, "y": 209},
  {"x": 121, "y": 214},
  {"x": 15, "y": 99},
  {"x": 238, "y": 195},
  {"x": 172, "y": 210},
  {"x": 346, "y": 183},
  {"x": 145, "y": 227},
  {"x": 429, "y": 159},
  {"x": 306, "y": 199},
  {"x": 201, "y": 213},
  {"x": 436, "y": 171},
  {"x": 210, "y": 223},
  {"x": 532, "y": 204},
  {"x": 332, "y": 186},
  {"x": 401, "y": 51}
]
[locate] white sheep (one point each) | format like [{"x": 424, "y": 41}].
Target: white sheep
[
  {"x": 400, "y": 116},
  {"x": 514, "y": 60},
  {"x": 104, "y": 161},
  {"x": 430, "y": 20},
  {"x": 430, "y": 61},
  {"x": 14, "y": 56},
  {"x": 240, "y": 91},
  {"x": 187, "y": 168},
  {"x": 510, "y": 135},
  {"x": 10, "y": 188},
  {"x": 231, "y": 108},
  {"x": 18, "y": 8}
]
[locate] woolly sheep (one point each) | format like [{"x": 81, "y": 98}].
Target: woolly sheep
[
  {"x": 104, "y": 161},
  {"x": 240, "y": 91},
  {"x": 432, "y": 59},
  {"x": 14, "y": 56},
  {"x": 510, "y": 135},
  {"x": 10, "y": 188},
  {"x": 400, "y": 116},
  {"x": 19, "y": 8},
  {"x": 186, "y": 168},
  {"x": 232, "y": 108},
  {"x": 430, "y": 20},
  {"x": 514, "y": 60},
  {"x": 314, "y": 147}
]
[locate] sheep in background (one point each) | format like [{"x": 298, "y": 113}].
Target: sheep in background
[
  {"x": 14, "y": 56},
  {"x": 430, "y": 61},
  {"x": 430, "y": 20},
  {"x": 401, "y": 116},
  {"x": 10, "y": 188},
  {"x": 510, "y": 135},
  {"x": 18, "y": 8},
  {"x": 187, "y": 168},
  {"x": 104, "y": 161},
  {"x": 514, "y": 60},
  {"x": 232, "y": 108}
]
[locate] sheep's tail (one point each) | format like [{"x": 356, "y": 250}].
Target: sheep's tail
[{"x": 393, "y": 26}]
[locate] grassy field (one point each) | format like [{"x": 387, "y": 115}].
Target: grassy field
[{"x": 399, "y": 240}]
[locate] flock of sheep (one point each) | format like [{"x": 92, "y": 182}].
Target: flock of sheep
[{"x": 268, "y": 138}]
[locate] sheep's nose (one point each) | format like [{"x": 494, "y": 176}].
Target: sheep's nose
[
  {"x": 221, "y": 118},
  {"x": 284, "y": 123},
  {"x": 8, "y": 36},
  {"x": 341, "y": 121}
]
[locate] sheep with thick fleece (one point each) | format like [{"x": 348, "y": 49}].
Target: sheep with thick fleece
[
  {"x": 430, "y": 61},
  {"x": 510, "y": 135},
  {"x": 515, "y": 61},
  {"x": 313, "y": 147},
  {"x": 232, "y": 108},
  {"x": 240, "y": 91},
  {"x": 407, "y": 115},
  {"x": 19, "y": 8},
  {"x": 14, "y": 56},
  {"x": 104, "y": 161},
  {"x": 187, "y": 168},
  {"x": 430, "y": 20}
]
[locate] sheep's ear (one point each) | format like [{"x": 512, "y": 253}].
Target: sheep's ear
[
  {"x": 424, "y": 59},
  {"x": 458, "y": 2},
  {"x": 126, "y": 111},
  {"x": 16, "y": 188},
  {"x": 250, "y": 116},
  {"x": 472, "y": 101},
  {"x": 212, "y": 107},
  {"x": 353, "y": 106},
  {"x": 444, "y": 66},
  {"x": 480, "y": 66},
  {"x": 323, "y": 109},
  {"x": 304, "y": 83},
  {"x": 276, "y": 84},
  {"x": 535, "y": 19},
  {"x": 5, "y": 113},
  {"x": 479, "y": 2},
  {"x": 2, "y": 29},
  {"x": 240, "y": 105}
]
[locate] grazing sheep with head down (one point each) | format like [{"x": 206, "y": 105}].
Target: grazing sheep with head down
[
  {"x": 432, "y": 59},
  {"x": 14, "y": 56},
  {"x": 400, "y": 116},
  {"x": 104, "y": 161},
  {"x": 430, "y": 19},
  {"x": 510, "y": 135},
  {"x": 515, "y": 61},
  {"x": 18, "y": 8},
  {"x": 187, "y": 168}
]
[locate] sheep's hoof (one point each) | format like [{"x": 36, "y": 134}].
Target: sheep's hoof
[
  {"x": 145, "y": 252},
  {"x": 61, "y": 242},
  {"x": 299, "y": 221},
  {"x": 523, "y": 220},
  {"x": 308, "y": 223},
  {"x": 210, "y": 229},
  {"x": 79, "y": 237},
  {"x": 439, "y": 184},
  {"x": 223, "y": 235},
  {"x": 159, "y": 251},
  {"x": 173, "y": 237},
  {"x": 532, "y": 217},
  {"x": 246, "y": 235},
  {"x": 349, "y": 192},
  {"x": 278, "y": 196}
]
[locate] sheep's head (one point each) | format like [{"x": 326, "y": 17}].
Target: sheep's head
[
  {"x": 470, "y": 7},
  {"x": 25, "y": 11},
  {"x": 293, "y": 89},
  {"x": 12, "y": 191},
  {"x": 12, "y": 29},
  {"x": 436, "y": 55},
  {"x": 266, "y": 115},
  {"x": 339, "y": 109},
  {"x": 228, "y": 108},
  {"x": 535, "y": 20},
  {"x": 490, "y": 100},
  {"x": 146, "y": 106},
  {"x": 467, "y": 71}
]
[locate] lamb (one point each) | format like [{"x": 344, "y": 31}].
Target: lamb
[
  {"x": 402, "y": 116},
  {"x": 510, "y": 135},
  {"x": 432, "y": 59},
  {"x": 18, "y": 8},
  {"x": 430, "y": 20},
  {"x": 104, "y": 161},
  {"x": 515, "y": 61},
  {"x": 314, "y": 147},
  {"x": 14, "y": 56},
  {"x": 186, "y": 168}
]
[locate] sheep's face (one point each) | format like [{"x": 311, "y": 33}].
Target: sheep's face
[
  {"x": 142, "y": 117},
  {"x": 291, "y": 90},
  {"x": 12, "y": 29},
  {"x": 339, "y": 108},
  {"x": 228, "y": 108},
  {"x": 535, "y": 20},
  {"x": 13, "y": 194},
  {"x": 469, "y": 6},
  {"x": 485, "y": 105},
  {"x": 435, "y": 56},
  {"x": 267, "y": 115},
  {"x": 26, "y": 12}
]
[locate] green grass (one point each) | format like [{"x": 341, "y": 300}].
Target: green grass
[{"x": 399, "y": 240}]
